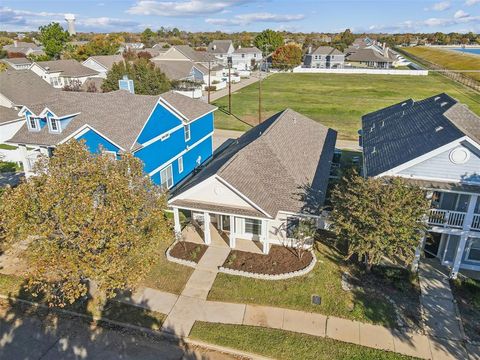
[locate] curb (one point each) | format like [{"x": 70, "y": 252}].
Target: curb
[{"x": 171, "y": 258}]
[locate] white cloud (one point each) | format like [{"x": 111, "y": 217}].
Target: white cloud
[
  {"x": 182, "y": 8},
  {"x": 105, "y": 22},
  {"x": 460, "y": 14},
  {"x": 245, "y": 19},
  {"x": 439, "y": 6},
  {"x": 471, "y": 2}
]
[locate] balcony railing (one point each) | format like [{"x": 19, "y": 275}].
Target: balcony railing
[
  {"x": 476, "y": 222},
  {"x": 446, "y": 218}
]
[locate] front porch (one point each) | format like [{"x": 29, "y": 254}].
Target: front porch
[{"x": 222, "y": 230}]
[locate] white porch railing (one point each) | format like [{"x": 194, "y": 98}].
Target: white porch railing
[
  {"x": 446, "y": 218},
  {"x": 476, "y": 222}
]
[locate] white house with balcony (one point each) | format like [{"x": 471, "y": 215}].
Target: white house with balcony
[{"x": 435, "y": 144}]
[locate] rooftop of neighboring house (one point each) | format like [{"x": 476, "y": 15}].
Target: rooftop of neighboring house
[
  {"x": 78, "y": 42},
  {"x": 282, "y": 164},
  {"x": 326, "y": 50},
  {"x": 8, "y": 114},
  {"x": 194, "y": 55},
  {"x": 118, "y": 115},
  {"x": 219, "y": 46},
  {"x": 71, "y": 68},
  {"x": 17, "y": 61},
  {"x": 247, "y": 50},
  {"x": 107, "y": 60},
  {"x": 402, "y": 132},
  {"x": 24, "y": 87},
  {"x": 152, "y": 51},
  {"x": 161, "y": 45},
  {"x": 173, "y": 69},
  {"x": 367, "y": 55},
  {"x": 21, "y": 44}
]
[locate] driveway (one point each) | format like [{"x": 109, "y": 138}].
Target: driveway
[{"x": 235, "y": 87}]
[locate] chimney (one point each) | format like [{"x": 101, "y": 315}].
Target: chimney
[
  {"x": 15, "y": 43},
  {"x": 214, "y": 47},
  {"x": 310, "y": 49}
]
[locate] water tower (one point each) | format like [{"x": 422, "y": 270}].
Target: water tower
[{"x": 70, "y": 18}]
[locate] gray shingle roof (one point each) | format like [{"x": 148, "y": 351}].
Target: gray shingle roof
[
  {"x": 107, "y": 60},
  {"x": 67, "y": 67},
  {"x": 24, "y": 87},
  {"x": 367, "y": 55},
  {"x": 18, "y": 61},
  {"x": 219, "y": 46},
  {"x": 407, "y": 130},
  {"x": 118, "y": 115},
  {"x": 175, "y": 70},
  {"x": 247, "y": 50},
  {"x": 8, "y": 114},
  {"x": 194, "y": 55},
  {"x": 281, "y": 164},
  {"x": 326, "y": 50}
]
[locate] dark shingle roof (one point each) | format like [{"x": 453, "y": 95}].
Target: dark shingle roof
[
  {"x": 118, "y": 115},
  {"x": 273, "y": 164},
  {"x": 67, "y": 67},
  {"x": 24, "y": 87},
  {"x": 407, "y": 130}
]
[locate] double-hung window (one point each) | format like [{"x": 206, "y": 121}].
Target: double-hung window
[
  {"x": 166, "y": 177},
  {"x": 253, "y": 227},
  {"x": 54, "y": 125},
  {"x": 474, "y": 250},
  {"x": 180, "y": 164},
  {"x": 186, "y": 128},
  {"x": 32, "y": 123}
]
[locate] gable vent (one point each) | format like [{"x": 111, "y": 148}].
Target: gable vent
[{"x": 438, "y": 128}]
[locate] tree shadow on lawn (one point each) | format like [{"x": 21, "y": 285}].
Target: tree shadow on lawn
[
  {"x": 32, "y": 332},
  {"x": 387, "y": 295}
]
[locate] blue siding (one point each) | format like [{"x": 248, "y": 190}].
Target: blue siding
[
  {"x": 161, "y": 121},
  {"x": 200, "y": 128},
  {"x": 95, "y": 142}
]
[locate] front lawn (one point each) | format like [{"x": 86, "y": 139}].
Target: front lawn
[
  {"x": 281, "y": 344},
  {"x": 367, "y": 304},
  {"x": 467, "y": 294},
  {"x": 335, "y": 100}
]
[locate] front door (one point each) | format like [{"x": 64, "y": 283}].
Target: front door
[{"x": 224, "y": 222}]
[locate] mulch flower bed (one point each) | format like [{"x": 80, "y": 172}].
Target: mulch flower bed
[
  {"x": 280, "y": 260},
  {"x": 188, "y": 251}
]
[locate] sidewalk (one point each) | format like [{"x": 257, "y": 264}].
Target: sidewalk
[{"x": 235, "y": 87}]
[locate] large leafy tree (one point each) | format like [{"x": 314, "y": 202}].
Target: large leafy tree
[
  {"x": 147, "y": 79},
  {"x": 91, "y": 218},
  {"x": 98, "y": 45},
  {"x": 268, "y": 41},
  {"x": 379, "y": 219},
  {"x": 287, "y": 57},
  {"x": 53, "y": 38}
]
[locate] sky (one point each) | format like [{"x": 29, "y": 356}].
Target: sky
[{"x": 246, "y": 15}]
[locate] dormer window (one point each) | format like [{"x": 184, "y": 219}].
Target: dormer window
[
  {"x": 33, "y": 124},
  {"x": 53, "y": 125}
]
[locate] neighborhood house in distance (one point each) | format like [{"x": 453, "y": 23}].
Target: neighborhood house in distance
[
  {"x": 170, "y": 133},
  {"x": 435, "y": 144}
]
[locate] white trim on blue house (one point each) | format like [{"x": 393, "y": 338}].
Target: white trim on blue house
[
  {"x": 153, "y": 172},
  {"x": 160, "y": 137},
  {"x": 84, "y": 129},
  {"x": 145, "y": 124}
]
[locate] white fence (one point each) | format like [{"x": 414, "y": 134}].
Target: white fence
[
  {"x": 11, "y": 155},
  {"x": 300, "y": 69},
  {"x": 194, "y": 94}
]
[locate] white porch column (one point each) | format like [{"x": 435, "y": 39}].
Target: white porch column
[
  {"x": 176, "y": 221},
  {"x": 206, "y": 230},
  {"x": 265, "y": 238},
  {"x": 23, "y": 152},
  {"x": 232, "y": 237},
  {"x": 464, "y": 237},
  {"x": 418, "y": 253}
]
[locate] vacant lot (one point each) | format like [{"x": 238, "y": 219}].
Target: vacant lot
[
  {"x": 450, "y": 59},
  {"x": 335, "y": 100}
]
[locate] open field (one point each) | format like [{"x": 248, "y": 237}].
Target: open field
[
  {"x": 281, "y": 344},
  {"x": 448, "y": 58},
  {"x": 335, "y": 100}
]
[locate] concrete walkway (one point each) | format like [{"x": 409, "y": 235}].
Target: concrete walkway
[{"x": 235, "y": 87}]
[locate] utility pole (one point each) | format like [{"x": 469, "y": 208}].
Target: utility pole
[
  {"x": 209, "y": 69},
  {"x": 229, "y": 88}
]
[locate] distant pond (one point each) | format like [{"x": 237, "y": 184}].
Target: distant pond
[{"x": 475, "y": 51}]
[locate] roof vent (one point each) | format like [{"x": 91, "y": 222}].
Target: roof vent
[
  {"x": 294, "y": 119},
  {"x": 444, "y": 103},
  {"x": 47, "y": 68},
  {"x": 383, "y": 123},
  {"x": 438, "y": 128},
  {"x": 404, "y": 104},
  {"x": 437, "y": 97},
  {"x": 374, "y": 150}
]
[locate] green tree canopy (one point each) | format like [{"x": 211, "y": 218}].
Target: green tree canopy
[
  {"x": 268, "y": 41},
  {"x": 90, "y": 218},
  {"x": 378, "y": 219},
  {"x": 147, "y": 79},
  {"x": 53, "y": 38},
  {"x": 287, "y": 57}
]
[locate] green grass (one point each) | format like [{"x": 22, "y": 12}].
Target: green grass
[
  {"x": 281, "y": 344},
  {"x": 335, "y": 100},
  {"x": 448, "y": 58},
  {"x": 295, "y": 293},
  {"x": 467, "y": 294},
  {"x": 7, "y": 166},
  {"x": 7, "y": 147},
  {"x": 166, "y": 275}
]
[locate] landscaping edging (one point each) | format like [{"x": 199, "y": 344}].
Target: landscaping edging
[
  {"x": 285, "y": 276},
  {"x": 171, "y": 258}
]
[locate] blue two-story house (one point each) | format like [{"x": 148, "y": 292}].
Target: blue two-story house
[{"x": 170, "y": 133}]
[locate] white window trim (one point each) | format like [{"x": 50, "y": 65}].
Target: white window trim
[
  {"x": 165, "y": 169},
  {"x": 36, "y": 121},
  {"x": 164, "y": 136},
  {"x": 180, "y": 164},
  {"x": 245, "y": 227},
  {"x": 467, "y": 258},
  {"x": 111, "y": 153},
  {"x": 50, "y": 125},
  {"x": 185, "y": 127}
]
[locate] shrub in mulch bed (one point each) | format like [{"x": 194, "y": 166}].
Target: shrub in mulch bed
[
  {"x": 188, "y": 251},
  {"x": 280, "y": 260}
]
